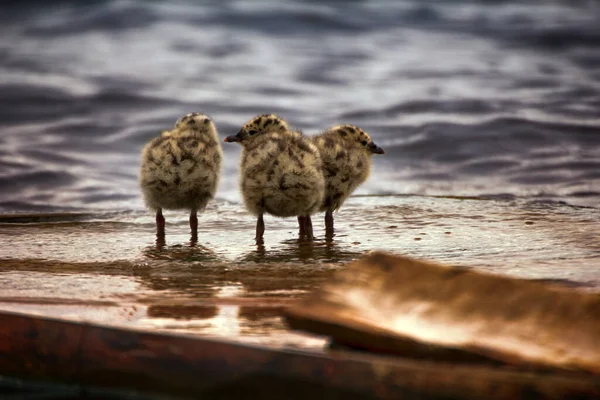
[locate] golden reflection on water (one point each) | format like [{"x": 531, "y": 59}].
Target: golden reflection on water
[{"x": 115, "y": 270}]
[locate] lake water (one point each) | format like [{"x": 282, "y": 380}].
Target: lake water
[{"x": 495, "y": 98}]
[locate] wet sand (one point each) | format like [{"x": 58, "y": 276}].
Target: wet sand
[{"x": 109, "y": 268}]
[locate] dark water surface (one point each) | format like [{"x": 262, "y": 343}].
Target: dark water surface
[{"x": 497, "y": 98}]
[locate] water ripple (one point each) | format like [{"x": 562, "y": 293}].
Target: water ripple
[{"x": 467, "y": 98}]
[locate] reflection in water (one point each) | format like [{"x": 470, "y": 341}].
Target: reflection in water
[
  {"x": 226, "y": 322},
  {"x": 188, "y": 269},
  {"x": 299, "y": 250},
  {"x": 161, "y": 241},
  {"x": 228, "y": 291},
  {"x": 329, "y": 234},
  {"x": 245, "y": 297},
  {"x": 226, "y": 313},
  {"x": 191, "y": 252},
  {"x": 182, "y": 312}
]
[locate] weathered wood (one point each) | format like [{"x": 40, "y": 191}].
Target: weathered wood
[
  {"x": 413, "y": 308},
  {"x": 85, "y": 354},
  {"x": 29, "y": 347}
]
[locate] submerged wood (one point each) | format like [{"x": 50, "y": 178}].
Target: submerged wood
[
  {"x": 44, "y": 349},
  {"x": 413, "y": 308}
]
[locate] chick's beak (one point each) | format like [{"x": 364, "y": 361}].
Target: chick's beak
[
  {"x": 237, "y": 137},
  {"x": 373, "y": 148},
  {"x": 232, "y": 138}
]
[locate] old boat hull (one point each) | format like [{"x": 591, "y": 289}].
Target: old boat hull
[{"x": 89, "y": 355}]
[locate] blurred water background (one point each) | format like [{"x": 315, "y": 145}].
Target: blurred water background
[{"x": 468, "y": 98}]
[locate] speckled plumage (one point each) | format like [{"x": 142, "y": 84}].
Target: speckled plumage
[
  {"x": 346, "y": 152},
  {"x": 280, "y": 170},
  {"x": 181, "y": 167}
]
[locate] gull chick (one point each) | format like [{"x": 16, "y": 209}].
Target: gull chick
[
  {"x": 180, "y": 169},
  {"x": 346, "y": 152},
  {"x": 280, "y": 172}
]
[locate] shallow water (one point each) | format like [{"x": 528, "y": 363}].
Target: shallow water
[{"x": 111, "y": 269}]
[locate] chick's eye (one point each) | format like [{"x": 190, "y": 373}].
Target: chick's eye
[
  {"x": 364, "y": 142},
  {"x": 252, "y": 132}
]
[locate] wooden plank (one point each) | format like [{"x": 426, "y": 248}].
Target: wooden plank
[
  {"x": 62, "y": 351},
  {"x": 28, "y": 348},
  {"x": 414, "y": 308}
]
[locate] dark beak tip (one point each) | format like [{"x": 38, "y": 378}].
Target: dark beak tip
[
  {"x": 231, "y": 139},
  {"x": 377, "y": 150}
]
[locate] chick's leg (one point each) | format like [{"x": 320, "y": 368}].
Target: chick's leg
[
  {"x": 309, "y": 227},
  {"x": 260, "y": 227},
  {"x": 160, "y": 223},
  {"x": 329, "y": 223},
  {"x": 194, "y": 224},
  {"x": 305, "y": 225},
  {"x": 301, "y": 225}
]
